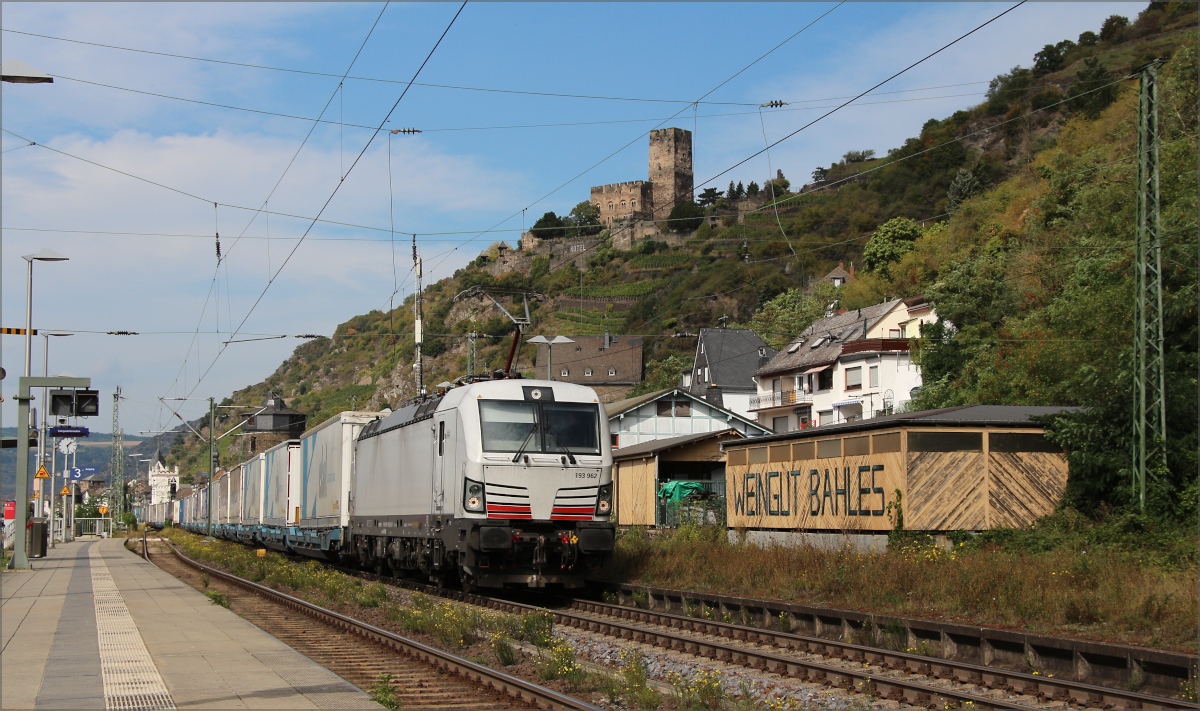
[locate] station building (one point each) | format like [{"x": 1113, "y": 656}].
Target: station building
[{"x": 967, "y": 468}]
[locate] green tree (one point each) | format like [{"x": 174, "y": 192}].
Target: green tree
[
  {"x": 549, "y": 225},
  {"x": 1088, "y": 39},
  {"x": 685, "y": 216},
  {"x": 964, "y": 186},
  {"x": 741, "y": 190},
  {"x": 1049, "y": 59},
  {"x": 661, "y": 374},
  {"x": 778, "y": 187},
  {"x": 858, "y": 156},
  {"x": 1113, "y": 29},
  {"x": 752, "y": 189},
  {"x": 890, "y": 242},
  {"x": 584, "y": 219},
  {"x": 708, "y": 196},
  {"x": 1093, "y": 89},
  {"x": 787, "y": 315}
]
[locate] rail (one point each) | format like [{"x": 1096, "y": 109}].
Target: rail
[
  {"x": 513, "y": 686},
  {"x": 857, "y": 677},
  {"x": 1099, "y": 663}
]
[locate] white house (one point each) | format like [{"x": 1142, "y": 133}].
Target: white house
[
  {"x": 671, "y": 413},
  {"x": 163, "y": 483},
  {"x": 849, "y": 366}
]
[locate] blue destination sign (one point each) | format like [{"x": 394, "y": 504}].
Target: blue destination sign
[
  {"x": 69, "y": 432},
  {"x": 78, "y": 473}
]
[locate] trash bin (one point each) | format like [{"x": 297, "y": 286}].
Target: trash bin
[{"x": 39, "y": 538}]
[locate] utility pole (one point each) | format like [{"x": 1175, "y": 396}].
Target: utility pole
[
  {"x": 212, "y": 458},
  {"x": 418, "y": 322},
  {"x": 1149, "y": 402},
  {"x": 117, "y": 480}
]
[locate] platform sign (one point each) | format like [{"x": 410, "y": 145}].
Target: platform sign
[
  {"x": 10, "y": 510},
  {"x": 69, "y": 432},
  {"x": 42, "y": 473}
]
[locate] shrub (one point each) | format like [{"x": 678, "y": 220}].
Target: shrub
[{"x": 504, "y": 650}]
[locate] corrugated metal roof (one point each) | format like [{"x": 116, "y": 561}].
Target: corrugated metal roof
[
  {"x": 958, "y": 416},
  {"x": 662, "y": 445}
]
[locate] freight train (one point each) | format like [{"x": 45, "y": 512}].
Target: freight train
[{"x": 495, "y": 483}]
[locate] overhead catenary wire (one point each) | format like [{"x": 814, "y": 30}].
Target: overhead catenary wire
[
  {"x": 333, "y": 194},
  {"x": 252, "y": 219},
  {"x": 343, "y": 124},
  {"x": 525, "y": 92},
  {"x": 934, "y": 53},
  {"x": 736, "y": 74}
]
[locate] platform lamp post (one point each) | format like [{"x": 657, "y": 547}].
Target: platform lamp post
[
  {"x": 549, "y": 349},
  {"x": 42, "y": 449},
  {"x": 17, "y": 72}
]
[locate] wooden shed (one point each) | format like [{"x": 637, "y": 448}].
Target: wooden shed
[
  {"x": 641, "y": 469},
  {"x": 962, "y": 468}
]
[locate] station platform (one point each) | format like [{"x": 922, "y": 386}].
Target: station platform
[{"x": 94, "y": 626}]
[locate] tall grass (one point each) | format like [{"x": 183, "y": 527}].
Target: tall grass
[{"x": 1065, "y": 576}]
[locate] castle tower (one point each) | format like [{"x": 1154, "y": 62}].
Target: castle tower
[{"x": 670, "y": 168}]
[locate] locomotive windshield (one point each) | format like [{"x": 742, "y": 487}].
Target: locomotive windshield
[{"x": 554, "y": 427}]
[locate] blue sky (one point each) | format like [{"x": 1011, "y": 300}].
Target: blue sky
[{"x": 443, "y": 181}]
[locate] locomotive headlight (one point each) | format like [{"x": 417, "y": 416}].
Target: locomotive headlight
[
  {"x": 604, "y": 500},
  {"x": 473, "y": 496}
]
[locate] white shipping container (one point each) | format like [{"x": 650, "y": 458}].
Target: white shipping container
[
  {"x": 235, "y": 496},
  {"x": 281, "y": 464},
  {"x": 253, "y": 472},
  {"x": 221, "y": 515},
  {"x": 327, "y": 456}
]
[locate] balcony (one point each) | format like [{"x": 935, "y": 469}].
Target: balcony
[{"x": 785, "y": 398}]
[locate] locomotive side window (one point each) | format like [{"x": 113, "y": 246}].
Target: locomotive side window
[
  {"x": 441, "y": 439},
  {"x": 507, "y": 425},
  {"x": 571, "y": 427}
]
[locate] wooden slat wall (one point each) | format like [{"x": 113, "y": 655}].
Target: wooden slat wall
[
  {"x": 1024, "y": 486},
  {"x": 636, "y": 490},
  {"x": 946, "y": 491},
  {"x": 768, "y": 495}
]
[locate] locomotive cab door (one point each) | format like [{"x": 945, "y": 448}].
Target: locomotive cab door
[{"x": 445, "y": 443}]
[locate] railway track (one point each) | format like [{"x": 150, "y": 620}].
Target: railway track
[
  {"x": 900, "y": 676},
  {"x": 423, "y": 677}
]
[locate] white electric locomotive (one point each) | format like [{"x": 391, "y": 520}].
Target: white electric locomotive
[{"x": 501, "y": 482}]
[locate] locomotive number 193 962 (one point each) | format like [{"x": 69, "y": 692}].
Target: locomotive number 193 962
[{"x": 587, "y": 475}]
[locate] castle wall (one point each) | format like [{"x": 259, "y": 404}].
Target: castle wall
[
  {"x": 619, "y": 201},
  {"x": 670, "y": 169}
]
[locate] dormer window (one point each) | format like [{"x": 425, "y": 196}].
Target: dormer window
[
  {"x": 612, "y": 372},
  {"x": 587, "y": 372},
  {"x": 818, "y": 342},
  {"x": 795, "y": 347},
  {"x": 565, "y": 372}
]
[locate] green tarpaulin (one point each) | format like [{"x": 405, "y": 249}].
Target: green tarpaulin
[{"x": 680, "y": 490}]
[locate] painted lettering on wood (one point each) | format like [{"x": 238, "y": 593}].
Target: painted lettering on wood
[{"x": 844, "y": 493}]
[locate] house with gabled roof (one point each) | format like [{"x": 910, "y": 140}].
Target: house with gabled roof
[
  {"x": 672, "y": 412},
  {"x": 723, "y": 371},
  {"x": 849, "y": 366}
]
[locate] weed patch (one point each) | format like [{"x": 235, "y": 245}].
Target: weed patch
[{"x": 1065, "y": 575}]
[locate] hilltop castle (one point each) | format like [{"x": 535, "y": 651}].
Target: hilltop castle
[{"x": 670, "y": 181}]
